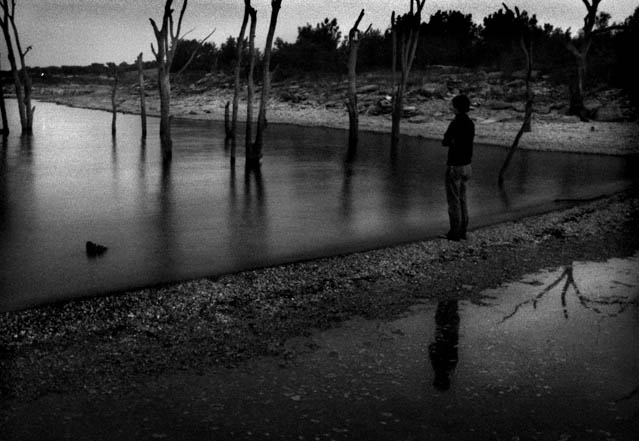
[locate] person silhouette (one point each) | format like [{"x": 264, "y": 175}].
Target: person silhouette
[
  {"x": 443, "y": 350},
  {"x": 459, "y": 139}
]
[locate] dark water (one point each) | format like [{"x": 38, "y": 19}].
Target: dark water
[{"x": 71, "y": 182}]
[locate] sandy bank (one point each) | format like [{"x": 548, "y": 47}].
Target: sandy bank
[{"x": 551, "y": 131}]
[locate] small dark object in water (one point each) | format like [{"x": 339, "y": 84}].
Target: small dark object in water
[{"x": 94, "y": 249}]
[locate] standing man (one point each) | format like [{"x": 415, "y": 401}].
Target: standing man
[{"x": 459, "y": 140}]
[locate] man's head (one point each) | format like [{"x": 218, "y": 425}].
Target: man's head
[{"x": 461, "y": 103}]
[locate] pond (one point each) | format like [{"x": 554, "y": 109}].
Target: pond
[{"x": 72, "y": 182}]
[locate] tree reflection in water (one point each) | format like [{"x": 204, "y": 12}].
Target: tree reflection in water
[
  {"x": 443, "y": 351},
  {"x": 610, "y": 306}
]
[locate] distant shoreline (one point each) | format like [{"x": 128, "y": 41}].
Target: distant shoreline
[{"x": 551, "y": 131}]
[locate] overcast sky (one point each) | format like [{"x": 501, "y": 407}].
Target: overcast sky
[{"x": 80, "y": 32}]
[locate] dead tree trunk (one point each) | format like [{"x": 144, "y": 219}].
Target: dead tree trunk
[
  {"x": 354, "y": 37},
  {"x": 167, "y": 40},
  {"x": 405, "y": 31},
  {"x": 227, "y": 121},
  {"x": 21, "y": 76},
  {"x": 232, "y": 129},
  {"x": 248, "y": 139},
  {"x": 114, "y": 104},
  {"x": 580, "y": 51},
  {"x": 3, "y": 112},
  {"x": 142, "y": 95},
  {"x": 255, "y": 154},
  {"x": 525, "y": 41}
]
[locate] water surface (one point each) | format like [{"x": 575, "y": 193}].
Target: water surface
[{"x": 71, "y": 182}]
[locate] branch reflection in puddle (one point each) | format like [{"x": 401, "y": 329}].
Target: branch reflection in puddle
[{"x": 602, "y": 305}]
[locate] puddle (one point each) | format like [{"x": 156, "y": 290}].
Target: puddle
[{"x": 554, "y": 356}]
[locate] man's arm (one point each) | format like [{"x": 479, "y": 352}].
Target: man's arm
[{"x": 448, "y": 140}]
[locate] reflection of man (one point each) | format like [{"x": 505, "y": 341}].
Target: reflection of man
[{"x": 443, "y": 351}]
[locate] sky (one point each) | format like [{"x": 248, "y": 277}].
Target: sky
[{"x": 81, "y": 32}]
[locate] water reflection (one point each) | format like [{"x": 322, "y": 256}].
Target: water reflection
[
  {"x": 443, "y": 351},
  {"x": 607, "y": 305},
  {"x": 196, "y": 218},
  {"x": 346, "y": 195}
]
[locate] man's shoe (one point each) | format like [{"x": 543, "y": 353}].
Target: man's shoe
[{"x": 452, "y": 237}]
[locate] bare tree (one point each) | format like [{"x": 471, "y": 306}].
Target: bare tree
[
  {"x": 579, "y": 48},
  {"x": 142, "y": 95},
  {"x": 114, "y": 91},
  {"x": 525, "y": 42},
  {"x": 405, "y": 36},
  {"x": 250, "y": 83},
  {"x": 231, "y": 127},
  {"x": 3, "y": 112},
  {"x": 167, "y": 38},
  {"x": 255, "y": 154},
  {"x": 354, "y": 38},
  {"x": 21, "y": 76}
]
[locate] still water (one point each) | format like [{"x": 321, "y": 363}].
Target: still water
[{"x": 71, "y": 182}]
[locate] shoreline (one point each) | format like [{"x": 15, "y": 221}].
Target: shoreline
[
  {"x": 100, "y": 344},
  {"x": 551, "y": 131}
]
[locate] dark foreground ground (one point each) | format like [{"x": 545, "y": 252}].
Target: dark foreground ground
[{"x": 131, "y": 366}]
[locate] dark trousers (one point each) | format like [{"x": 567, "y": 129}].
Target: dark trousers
[{"x": 456, "y": 181}]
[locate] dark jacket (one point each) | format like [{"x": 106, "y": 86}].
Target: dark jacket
[{"x": 459, "y": 140}]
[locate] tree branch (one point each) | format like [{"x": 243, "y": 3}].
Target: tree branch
[
  {"x": 608, "y": 29},
  {"x": 192, "y": 57}
]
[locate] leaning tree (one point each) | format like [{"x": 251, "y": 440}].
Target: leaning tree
[
  {"x": 525, "y": 38},
  {"x": 405, "y": 36},
  {"x": 21, "y": 77},
  {"x": 579, "y": 48}
]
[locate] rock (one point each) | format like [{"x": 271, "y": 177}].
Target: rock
[
  {"x": 592, "y": 105},
  {"x": 493, "y": 77},
  {"x": 368, "y": 88},
  {"x": 409, "y": 111},
  {"x": 516, "y": 83},
  {"x": 433, "y": 90},
  {"x": 498, "y": 105},
  {"x": 521, "y": 75},
  {"x": 609, "y": 112},
  {"x": 94, "y": 249}
]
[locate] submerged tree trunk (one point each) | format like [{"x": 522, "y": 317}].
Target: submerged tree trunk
[
  {"x": 525, "y": 42},
  {"x": 167, "y": 40},
  {"x": 351, "y": 102},
  {"x": 142, "y": 95},
  {"x": 232, "y": 129},
  {"x": 248, "y": 139},
  {"x": 405, "y": 31},
  {"x": 114, "y": 104},
  {"x": 227, "y": 123},
  {"x": 3, "y": 112},
  {"x": 166, "y": 140},
  {"x": 256, "y": 149}
]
